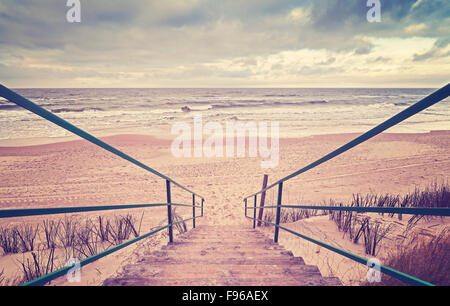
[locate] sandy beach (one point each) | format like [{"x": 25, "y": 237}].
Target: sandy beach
[{"x": 77, "y": 173}]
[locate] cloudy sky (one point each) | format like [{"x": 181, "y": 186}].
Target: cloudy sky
[{"x": 225, "y": 43}]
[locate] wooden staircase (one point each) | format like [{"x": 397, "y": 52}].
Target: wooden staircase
[{"x": 221, "y": 256}]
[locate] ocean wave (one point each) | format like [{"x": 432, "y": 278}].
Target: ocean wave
[
  {"x": 186, "y": 102},
  {"x": 281, "y": 95},
  {"x": 317, "y": 102},
  {"x": 382, "y": 105},
  {"x": 76, "y": 110},
  {"x": 265, "y": 103},
  {"x": 8, "y": 106},
  {"x": 215, "y": 106},
  {"x": 401, "y": 104},
  {"x": 299, "y": 103},
  {"x": 431, "y": 113}
]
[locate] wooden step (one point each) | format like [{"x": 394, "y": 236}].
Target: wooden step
[
  {"x": 222, "y": 246},
  {"x": 194, "y": 271},
  {"x": 224, "y": 281},
  {"x": 221, "y": 255},
  {"x": 200, "y": 253},
  {"x": 333, "y": 281},
  {"x": 240, "y": 275},
  {"x": 272, "y": 260},
  {"x": 224, "y": 241},
  {"x": 235, "y": 239}
]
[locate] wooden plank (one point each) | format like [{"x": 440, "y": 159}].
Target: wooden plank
[{"x": 263, "y": 198}]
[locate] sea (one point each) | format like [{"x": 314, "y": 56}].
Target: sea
[{"x": 300, "y": 112}]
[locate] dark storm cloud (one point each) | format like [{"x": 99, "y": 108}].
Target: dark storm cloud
[
  {"x": 332, "y": 23},
  {"x": 159, "y": 35}
]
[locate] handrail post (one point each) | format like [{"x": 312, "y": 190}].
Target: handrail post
[
  {"x": 245, "y": 201},
  {"x": 193, "y": 210},
  {"x": 254, "y": 213},
  {"x": 169, "y": 210},
  {"x": 263, "y": 198},
  {"x": 277, "y": 222}
]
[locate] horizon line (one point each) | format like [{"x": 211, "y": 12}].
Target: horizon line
[{"x": 226, "y": 87}]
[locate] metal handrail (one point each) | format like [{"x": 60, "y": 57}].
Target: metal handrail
[
  {"x": 432, "y": 99},
  {"x": 12, "y": 213},
  {"x": 9, "y": 213},
  {"x": 186, "y": 205},
  {"x": 389, "y": 271},
  {"x": 423, "y": 211},
  {"x": 40, "y": 281}
]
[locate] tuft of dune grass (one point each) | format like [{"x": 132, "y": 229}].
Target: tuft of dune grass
[
  {"x": 422, "y": 257},
  {"x": 357, "y": 226},
  {"x": 427, "y": 260},
  {"x": 76, "y": 239}
]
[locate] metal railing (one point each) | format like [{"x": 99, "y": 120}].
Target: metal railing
[
  {"x": 9, "y": 213},
  {"x": 428, "y": 101}
]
